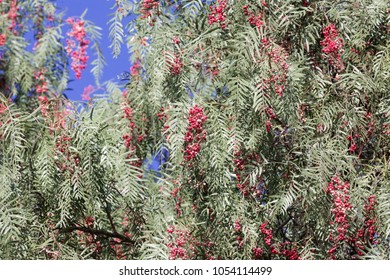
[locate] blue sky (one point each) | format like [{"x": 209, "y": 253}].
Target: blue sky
[{"x": 99, "y": 13}]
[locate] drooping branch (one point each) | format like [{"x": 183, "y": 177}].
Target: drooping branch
[{"x": 99, "y": 232}]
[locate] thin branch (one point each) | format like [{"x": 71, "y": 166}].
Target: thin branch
[
  {"x": 110, "y": 217},
  {"x": 97, "y": 232}
]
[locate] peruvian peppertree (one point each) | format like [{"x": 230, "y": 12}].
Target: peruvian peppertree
[{"x": 270, "y": 121}]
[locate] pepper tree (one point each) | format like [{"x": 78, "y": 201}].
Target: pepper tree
[{"x": 247, "y": 130}]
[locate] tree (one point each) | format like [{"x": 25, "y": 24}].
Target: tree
[{"x": 269, "y": 122}]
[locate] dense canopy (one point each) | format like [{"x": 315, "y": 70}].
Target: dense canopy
[{"x": 243, "y": 130}]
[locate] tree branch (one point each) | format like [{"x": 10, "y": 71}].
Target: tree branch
[{"x": 97, "y": 232}]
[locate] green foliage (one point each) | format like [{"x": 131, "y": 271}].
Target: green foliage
[{"x": 291, "y": 106}]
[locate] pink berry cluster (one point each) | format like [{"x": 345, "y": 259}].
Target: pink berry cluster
[
  {"x": 3, "y": 39},
  {"x": 3, "y": 108},
  {"x": 66, "y": 160},
  {"x": 339, "y": 192},
  {"x": 267, "y": 234},
  {"x": 269, "y": 111},
  {"x": 279, "y": 68},
  {"x": 135, "y": 68},
  {"x": 370, "y": 127},
  {"x": 218, "y": 14},
  {"x": 286, "y": 249},
  {"x": 352, "y": 142},
  {"x": 240, "y": 163},
  {"x": 43, "y": 102},
  {"x": 370, "y": 220},
  {"x": 86, "y": 95},
  {"x": 12, "y": 15},
  {"x": 176, "y": 40},
  {"x": 148, "y": 9},
  {"x": 87, "y": 240},
  {"x": 252, "y": 18},
  {"x": 291, "y": 254},
  {"x": 53, "y": 112},
  {"x": 128, "y": 136},
  {"x": 41, "y": 87},
  {"x": 175, "y": 65},
  {"x": 163, "y": 116},
  {"x": 332, "y": 46},
  {"x": 117, "y": 246},
  {"x": 237, "y": 229},
  {"x": 237, "y": 226},
  {"x": 178, "y": 200},
  {"x": 357, "y": 139},
  {"x": 386, "y": 128},
  {"x": 196, "y": 134},
  {"x": 268, "y": 237},
  {"x": 180, "y": 245},
  {"x": 366, "y": 235},
  {"x": 133, "y": 135},
  {"x": 257, "y": 252},
  {"x": 77, "y": 46}
]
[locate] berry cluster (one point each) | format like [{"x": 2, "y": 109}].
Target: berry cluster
[
  {"x": 180, "y": 246},
  {"x": 257, "y": 252},
  {"x": 41, "y": 88},
  {"x": 240, "y": 162},
  {"x": 135, "y": 68},
  {"x": 289, "y": 253},
  {"x": 148, "y": 9},
  {"x": 218, "y": 13},
  {"x": 237, "y": 226},
  {"x": 43, "y": 104},
  {"x": 252, "y": 18},
  {"x": 366, "y": 234},
  {"x": 267, "y": 233},
  {"x": 271, "y": 116},
  {"x": 86, "y": 95},
  {"x": 12, "y": 15},
  {"x": 176, "y": 40},
  {"x": 3, "y": 108},
  {"x": 332, "y": 46},
  {"x": 3, "y": 39},
  {"x": 196, "y": 133},
  {"x": 128, "y": 137},
  {"x": 162, "y": 115},
  {"x": 133, "y": 134},
  {"x": 63, "y": 155},
  {"x": 279, "y": 68},
  {"x": 176, "y": 66},
  {"x": 237, "y": 229},
  {"x": 117, "y": 245},
  {"x": 352, "y": 144},
  {"x": 178, "y": 200},
  {"x": 369, "y": 222},
  {"x": 87, "y": 240},
  {"x": 340, "y": 195},
  {"x": 77, "y": 46}
]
